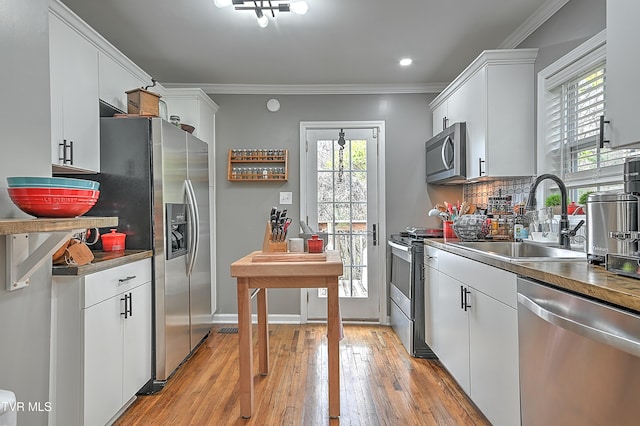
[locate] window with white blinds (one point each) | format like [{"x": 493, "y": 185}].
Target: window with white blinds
[{"x": 573, "y": 102}]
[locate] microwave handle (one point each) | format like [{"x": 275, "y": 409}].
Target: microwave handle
[{"x": 445, "y": 161}]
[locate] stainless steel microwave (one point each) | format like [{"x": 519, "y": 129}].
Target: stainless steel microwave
[{"x": 446, "y": 156}]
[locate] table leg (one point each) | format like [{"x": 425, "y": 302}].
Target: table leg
[
  {"x": 263, "y": 333},
  {"x": 333, "y": 330},
  {"x": 245, "y": 348}
]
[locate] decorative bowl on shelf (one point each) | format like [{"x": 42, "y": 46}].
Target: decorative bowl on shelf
[
  {"x": 51, "y": 182},
  {"x": 187, "y": 128},
  {"x": 471, "y": 227},
  {"x": 53, "y": 202}
]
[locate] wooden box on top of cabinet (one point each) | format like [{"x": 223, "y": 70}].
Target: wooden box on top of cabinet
[{"x": 143, "y": 102}]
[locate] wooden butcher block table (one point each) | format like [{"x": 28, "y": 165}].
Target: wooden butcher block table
[{"x": 261, "y": 271}]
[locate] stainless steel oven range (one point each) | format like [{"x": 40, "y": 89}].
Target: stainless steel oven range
[{"x": 406, "y": 290}]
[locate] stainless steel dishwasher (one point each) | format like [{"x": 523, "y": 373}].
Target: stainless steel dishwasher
[{"x": 579, "y": 359}]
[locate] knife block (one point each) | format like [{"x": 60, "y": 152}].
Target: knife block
[{"x": 270, "y": 246}]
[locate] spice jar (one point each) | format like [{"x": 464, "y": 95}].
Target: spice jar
[{"x": 315, "y": 244}]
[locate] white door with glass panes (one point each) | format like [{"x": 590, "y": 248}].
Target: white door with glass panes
[{"x": 341, "y": 200}]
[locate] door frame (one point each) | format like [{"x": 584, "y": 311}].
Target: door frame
[{"x": 381, "y": 262}]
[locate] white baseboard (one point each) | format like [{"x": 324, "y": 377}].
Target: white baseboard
[{"x": 273, "y": 319}]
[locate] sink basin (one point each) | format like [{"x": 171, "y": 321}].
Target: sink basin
[{"x": 521, "y": 251}]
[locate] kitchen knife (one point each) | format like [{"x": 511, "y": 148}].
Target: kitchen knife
[
  {"x": 274, "y": 222},
  {"x": 286, "y": 226}
]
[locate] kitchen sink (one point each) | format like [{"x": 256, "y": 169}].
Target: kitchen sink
[{"x": 522, "y": 251}]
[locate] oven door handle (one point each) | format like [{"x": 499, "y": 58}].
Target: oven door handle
[
  {"x": 398, "y": 246},
  {"x": 403, "y": 252}
]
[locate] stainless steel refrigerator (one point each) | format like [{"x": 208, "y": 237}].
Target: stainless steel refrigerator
[{"x": 155, "y": 178}]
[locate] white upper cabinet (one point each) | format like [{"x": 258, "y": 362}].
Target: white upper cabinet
[
  {"x": 495, "y": 97},
  {"x": 622, "y": 89},
  {"x": 114, "y": 80},
  {"x": 194, "y": 107},
  {"x": 75, "y": 133},
  {"x": 440, "y": 117}
]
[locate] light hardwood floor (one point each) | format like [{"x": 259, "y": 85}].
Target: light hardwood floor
[{"x": 380, "y": 384}]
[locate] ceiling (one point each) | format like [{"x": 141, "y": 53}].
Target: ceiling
[{"x": 337, "y": 43}]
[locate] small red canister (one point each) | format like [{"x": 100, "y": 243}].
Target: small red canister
[
  {"x": 113, "y": 241},
  {"x": 315, "y": 244}
]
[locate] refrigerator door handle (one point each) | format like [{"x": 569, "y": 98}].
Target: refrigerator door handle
[{"x": 194, "y": 226}]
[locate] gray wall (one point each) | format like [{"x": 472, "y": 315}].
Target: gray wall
[
  {"x": 572, "y": 25},
  {"x": 242, "y": 208},
  {"x": 25, "y": 136}
]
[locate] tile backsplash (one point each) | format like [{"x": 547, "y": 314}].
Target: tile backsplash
[
  {"x": 479, "y": 193},
  {"x": 518, "y": 189}
]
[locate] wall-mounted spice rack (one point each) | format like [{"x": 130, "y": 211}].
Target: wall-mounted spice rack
[{"x": 258, "y": 165}]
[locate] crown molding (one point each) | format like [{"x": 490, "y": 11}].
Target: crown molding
[
  {"x": 188, "y": 93},
  {"x": 535, "y": 21},
  {"x": 311, "y": 89}
]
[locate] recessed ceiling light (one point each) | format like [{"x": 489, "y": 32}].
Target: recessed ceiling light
[{"x": 405, "y": 62}]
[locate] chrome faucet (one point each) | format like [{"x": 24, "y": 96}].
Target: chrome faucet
[{"x": 564, "y": 233}]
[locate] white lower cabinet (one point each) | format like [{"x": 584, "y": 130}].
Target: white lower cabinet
[
  {"x": 475, "y": 328},
  {"x": 101, "y": 342},
  {"x": 452, "y": 331}
]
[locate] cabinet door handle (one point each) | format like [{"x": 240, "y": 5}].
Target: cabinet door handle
[
  {"x": 124, "y": 280},
  {"x": 130, "y": 304},
  {"x": 126, "y": 310},
  {"x": 462, "y": 303},
  {"x": 467, "y": 305},
  {"x": 66, "y": 147},
  {"x": 480, "y": 171},
  {"x": 602, "y": 123},
  {"x": 444, "y": 122}
]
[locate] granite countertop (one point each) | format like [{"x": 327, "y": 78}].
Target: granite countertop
[
  {"x": 580, "y": 277},
  {"x": 103, "y": 260}
]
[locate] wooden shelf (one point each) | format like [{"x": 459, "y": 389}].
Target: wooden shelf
[
  {"x": 22, "y": 261},
  {"x": 29, "y": 226},
  {"x": 258, "y": 165}
]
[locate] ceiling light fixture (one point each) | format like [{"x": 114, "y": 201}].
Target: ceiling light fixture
[
  {"x": 260, "y": 6},
  {"x": 405, "y": 62}
]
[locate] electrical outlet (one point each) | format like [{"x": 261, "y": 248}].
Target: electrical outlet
[{"x": 286, "y": 198}]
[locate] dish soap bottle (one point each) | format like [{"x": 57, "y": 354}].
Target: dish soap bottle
[{"x": 520, "y": 232}]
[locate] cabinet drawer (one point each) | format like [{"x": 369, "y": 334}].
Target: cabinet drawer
[
  {"x": 494, "y": 282},
  {"x": 431, "y": 257},
  {"x": 111, "y": 282}
]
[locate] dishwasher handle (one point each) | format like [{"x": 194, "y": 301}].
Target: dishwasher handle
[{"x": 625, "y": 344}]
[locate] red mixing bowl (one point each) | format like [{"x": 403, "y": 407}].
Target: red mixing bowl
[
  {"x": 58, "y": 192},
  {"x": 53, "y": 202}
]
